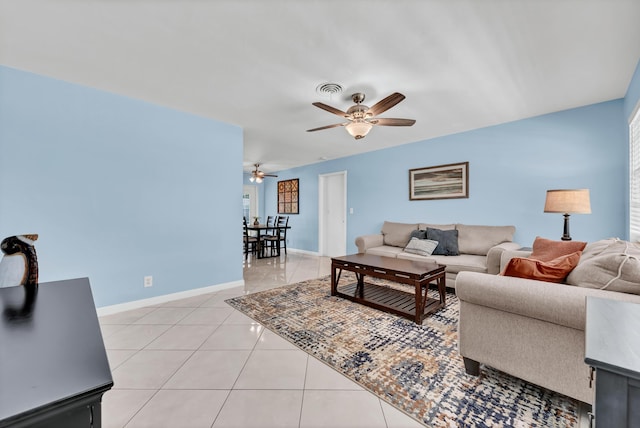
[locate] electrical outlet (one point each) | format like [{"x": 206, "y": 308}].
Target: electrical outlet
[{"x": 148, "y": 281}]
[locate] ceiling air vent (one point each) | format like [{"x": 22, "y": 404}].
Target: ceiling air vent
[{"x": 329, "y": 89}]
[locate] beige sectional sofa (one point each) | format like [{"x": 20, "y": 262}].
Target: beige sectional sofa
[
  {"x": 480, "y": 247},
  {"x": 534, "y": 330}
]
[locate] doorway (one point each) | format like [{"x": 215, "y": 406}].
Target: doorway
[
  {"x": 249, "y": 202},
  {"x": 332, "y": 214}
]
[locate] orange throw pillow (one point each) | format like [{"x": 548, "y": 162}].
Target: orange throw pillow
[
  {"x": 555, "y": 270},
  {"x": 546, "y": 249}
]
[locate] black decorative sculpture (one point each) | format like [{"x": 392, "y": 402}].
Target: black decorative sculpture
[{"x": 19, "y": 266}]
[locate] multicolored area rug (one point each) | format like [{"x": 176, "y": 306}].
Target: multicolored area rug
[{"x": 415, "y": 368}]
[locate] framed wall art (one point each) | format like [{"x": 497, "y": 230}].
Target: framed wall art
[
  {"x": 288, "y": 196},
  {"x": 439, "y": 182}
]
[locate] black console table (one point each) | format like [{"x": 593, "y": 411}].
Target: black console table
[
  {"x": 53, "y": 365},
  {"x": 613, "y": 350}
]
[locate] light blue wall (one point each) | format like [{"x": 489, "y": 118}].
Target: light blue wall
[
  {"x": 118, "y": 188},
  {"x": 510, "y": 168}
]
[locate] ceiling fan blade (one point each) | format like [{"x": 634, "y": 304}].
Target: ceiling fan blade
[
  {"x": 269, "y": 175},
  {"x": 385, "y": 104},
  {"x": 327, "y": 127},
  {"x": 331, "y": 109},
  {"x": 385, "y": 121}
]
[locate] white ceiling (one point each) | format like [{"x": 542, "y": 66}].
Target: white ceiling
[{"x": 462, "y": 64}]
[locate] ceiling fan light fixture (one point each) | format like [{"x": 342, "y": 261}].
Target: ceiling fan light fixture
[
  {"x": 257, "y": 175},
  {"x": 358, "y": 128},
  {"x": 362, "y": 118}
]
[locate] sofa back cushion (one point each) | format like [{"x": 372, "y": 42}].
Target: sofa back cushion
[
  {"x": 424, "y": 226},
  {"x": 609, "y": 264},
  {"x": 480, "y": 239},
  {"x": 397, "y": 234}
]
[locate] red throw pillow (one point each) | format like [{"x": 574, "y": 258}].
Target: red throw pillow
[
  {"x": 547, "y": 249},
  {"x": 555, "y": 270}
]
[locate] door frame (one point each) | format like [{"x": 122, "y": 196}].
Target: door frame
[
  {"x": 322, "y": 180},
  {"x": 254, "y": 204}
]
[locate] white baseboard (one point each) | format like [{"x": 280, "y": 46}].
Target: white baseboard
[
  {"x": 135, "y": 304},
  {"x": 310, "y": 253}
]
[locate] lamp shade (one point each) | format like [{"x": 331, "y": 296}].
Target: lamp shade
[
  {"x": 358, "y": 128},
  {"x": 568, "y": 201}
]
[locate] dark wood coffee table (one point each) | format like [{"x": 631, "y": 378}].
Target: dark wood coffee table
[{"x": 414, "y": 306}]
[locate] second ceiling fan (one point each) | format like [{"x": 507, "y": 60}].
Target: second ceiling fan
[
  {"x": 362, "y": 118},
  {"x": 257, "y": 175}
]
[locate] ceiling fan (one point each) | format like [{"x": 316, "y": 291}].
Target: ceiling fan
[
  {"x": 362, "y": 118},
  {"x": 257, "y": 175}
]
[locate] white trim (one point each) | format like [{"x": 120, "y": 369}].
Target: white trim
[
  {"x": 633, "y": 113},
  {"x": 254, "y": 200},
  {"x": 310, "y": 253},
  {"x": 136, "y": 304},
  {"x": 634, "y": 176}
]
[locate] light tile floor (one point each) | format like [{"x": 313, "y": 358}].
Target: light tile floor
[{"x": 197, "y": 362}]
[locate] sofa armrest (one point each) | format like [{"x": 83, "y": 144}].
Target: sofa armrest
[
  {"x": 369, "y": 241},
  {"x": 555, "y": 303},
  {"x": 494, "y": 254}
]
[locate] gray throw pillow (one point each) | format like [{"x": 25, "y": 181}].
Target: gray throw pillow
[
  {"x": 447, "y": 241},
  {"x": 423, "y": 247},
  {"x": 420, "y": 234}
]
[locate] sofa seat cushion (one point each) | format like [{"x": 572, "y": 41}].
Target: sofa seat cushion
[
  {"x": 480, "y": 239},
  {"x": 416, "y": 257},
  {"x": 463, "y": 262},
  {"x": 397, "y": 234},
  {"x": 454, "y": 264},
  {"x": 386, "y": 251},
  {"x": 609, "y": 264}
]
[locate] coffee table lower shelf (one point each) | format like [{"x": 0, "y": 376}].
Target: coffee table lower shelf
[{"x": 387, "y": 299}]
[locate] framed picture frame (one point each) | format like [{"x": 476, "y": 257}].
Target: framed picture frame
[
  {"x": 288, "y": 196},
  {"x": 439, "y": 182}
]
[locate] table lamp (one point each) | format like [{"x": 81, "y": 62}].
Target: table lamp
[{"x": 567, "y": 202}]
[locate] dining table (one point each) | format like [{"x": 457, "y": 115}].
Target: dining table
[{"x": 259, "y": 229}]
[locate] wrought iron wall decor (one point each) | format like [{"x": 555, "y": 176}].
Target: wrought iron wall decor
[{"x": 288, "y": 196}]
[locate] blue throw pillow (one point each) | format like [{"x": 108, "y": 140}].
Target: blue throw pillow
[{"x": 447, "y": 241}]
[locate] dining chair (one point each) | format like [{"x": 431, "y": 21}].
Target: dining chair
[
  {"x": 271, "y": 222},
  {"x": 269, "y": 238},
  {"x": 281, "y": 232},
  {"x": 250, "y": 243}
]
